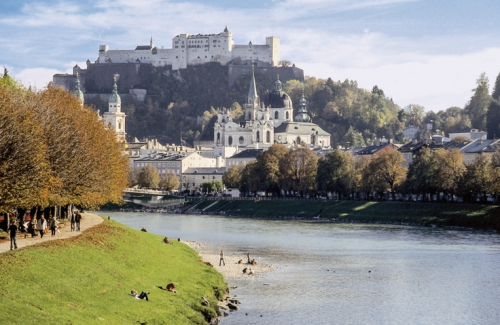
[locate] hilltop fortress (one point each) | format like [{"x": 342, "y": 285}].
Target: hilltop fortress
[
  {"x": 132, "y": 66},
  {"x": 190, "y": 49}
]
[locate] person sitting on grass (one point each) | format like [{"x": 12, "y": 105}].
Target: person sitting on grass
[
  {"x": 166, "y": 241},
  {"x": 143, "y": 295},
  {"x": 170, "y": 287}
]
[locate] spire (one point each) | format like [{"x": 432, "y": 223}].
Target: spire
[
  {"x": 277, "y": 84},
  {"x": 151, "y": 42},
  {"x": 252, "y": 91},
  {"x": 78, "y": 92},
  {"x": 115, "y": 98},
  {"x": 302, "y": 115},
  {"x": 226, "y": 30}
]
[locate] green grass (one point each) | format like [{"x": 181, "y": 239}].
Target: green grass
[
  {"x": 87, "y": 279},
  {"x": 462, "y": 215}
]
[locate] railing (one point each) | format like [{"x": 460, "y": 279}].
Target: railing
[{"x": 145, "y": 191}]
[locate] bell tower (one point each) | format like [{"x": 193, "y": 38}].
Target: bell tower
[{"x": 114, "y": 117}]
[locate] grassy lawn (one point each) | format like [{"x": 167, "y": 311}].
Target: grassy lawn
[
  {"x": 87, "y": 279},
  {"x": 463, "y": 215}
]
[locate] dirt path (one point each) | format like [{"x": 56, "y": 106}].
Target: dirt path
[{"x": 89, "y": 220}]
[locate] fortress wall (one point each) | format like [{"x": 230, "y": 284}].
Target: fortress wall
[
  {"x": 128, "y": 56},
  {"x": 99, "y": 77}
]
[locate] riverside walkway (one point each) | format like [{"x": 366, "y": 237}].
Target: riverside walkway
[{"x": 89, "y": 220}]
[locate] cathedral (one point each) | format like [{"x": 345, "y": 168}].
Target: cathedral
[{"x": 266, "y": 122}]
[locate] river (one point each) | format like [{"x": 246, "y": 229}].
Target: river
[{"x": 327, "y": 273}]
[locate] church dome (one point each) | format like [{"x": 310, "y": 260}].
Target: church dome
[
  {"x": 115, "y": 98},
  {"x": 278, "y": 98}
]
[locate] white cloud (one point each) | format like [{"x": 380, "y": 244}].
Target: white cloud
[{"x": 409, "y": 70}]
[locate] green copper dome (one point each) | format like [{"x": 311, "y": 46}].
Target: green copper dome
[
  {"x": 302, "y": 115},
  {"x": 115, "y": 98},
  {"x": 277, "y": 84}
]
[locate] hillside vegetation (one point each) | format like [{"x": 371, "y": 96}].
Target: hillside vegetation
[{"x": 87, "y": 280}]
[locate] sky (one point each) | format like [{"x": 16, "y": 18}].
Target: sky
[{"x": 425, "y": 52}]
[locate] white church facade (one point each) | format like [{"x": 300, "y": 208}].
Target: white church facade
[
  {"x": 266, "y": 122},
  {"x": 188, "y": 49}
]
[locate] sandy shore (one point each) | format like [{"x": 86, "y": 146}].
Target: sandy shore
[{"x": 232, "y": 270}]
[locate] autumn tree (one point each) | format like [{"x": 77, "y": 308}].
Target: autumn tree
[
  {"x": 385, "y": 171},
  {"x": 24, "y": 168},
  {"x": 148, "y": 177},
  {"x": 298, "y": 170},
  {"x": 169, "y": 181},
  {"x": 449, "y": 170},
  {"x": 232, "y": 176},
  {"x": 268, "y": 167}
]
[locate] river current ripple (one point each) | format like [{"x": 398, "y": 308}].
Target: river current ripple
[{"x": 329, "y": 273}]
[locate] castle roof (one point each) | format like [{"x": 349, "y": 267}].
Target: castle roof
[
  {"x": 143, "y": 47},
  {"x": 300, "y": 128}
]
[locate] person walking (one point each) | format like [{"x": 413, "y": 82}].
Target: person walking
[
  {"x": 53, "y": 226},
  {"x": 13, "y": 234},
  {"x": 73, "y": 220},
  {"x": 222, "y": 258},
  {"x": 41, "y": 225},
  {"x": 248, "y": 257},
  {"x": 78, "y": 218},
  {"x": 33, "y": 227}
]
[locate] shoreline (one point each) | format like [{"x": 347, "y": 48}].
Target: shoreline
[{"x": 232, "y": 270}]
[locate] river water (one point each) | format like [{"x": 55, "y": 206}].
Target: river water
[{"x": 328, "y": 273}]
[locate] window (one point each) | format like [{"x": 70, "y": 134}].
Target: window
[
  {"x": 276, "y": 115},
  {"x": 119, "y": 126},
  {"x": 218, "y": 138},
  {"x": 241, "y": 140},
  {"x": 249, "y": 115},
  {"x": 230, "y": 140},
  {"x": 298, "y": 140},
  {"x": 258, "y": 136},
  {"x": 203, "y": 177},
  {"x": 287, "y": 115},
  {"x": 268, "y": 136}
]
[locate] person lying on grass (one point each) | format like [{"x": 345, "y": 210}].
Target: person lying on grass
[
  {"x": 170, "y": 287},
  {"x": 143, "y": 295}
]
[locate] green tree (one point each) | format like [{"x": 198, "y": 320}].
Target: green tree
[
  {"x": 148, "y": 177},
  {"x": 479, "y": 103},
  {"x": 476, "y": 179},
  {"x": 493, "y": 120},
  {"x": 422, "y": 173},
  {"x": 336, "y": 172},
  {"x": 354, "y": 138},
  {"x": 268, "y": 168}
]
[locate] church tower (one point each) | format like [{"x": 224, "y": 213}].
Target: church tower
[
  {"x": 253, "y": 102},
  {"x": 114, "y": 117},
  {"x": 78, "y": 92},
  {"x": 302, "y": 115}
]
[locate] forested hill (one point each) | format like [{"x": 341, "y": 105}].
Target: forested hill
[{"x": 353, "y": 116}]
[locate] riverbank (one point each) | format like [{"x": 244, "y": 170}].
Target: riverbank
[
  {"x": 474, "y": 216},
  {"x": 234, "y": 264},
  {"x": 88, "y": 278}
]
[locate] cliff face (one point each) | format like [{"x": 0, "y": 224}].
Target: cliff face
[{"x": 98, "y": 78}]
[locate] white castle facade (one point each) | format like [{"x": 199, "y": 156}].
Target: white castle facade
[{"x": 188, "y": 49}]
